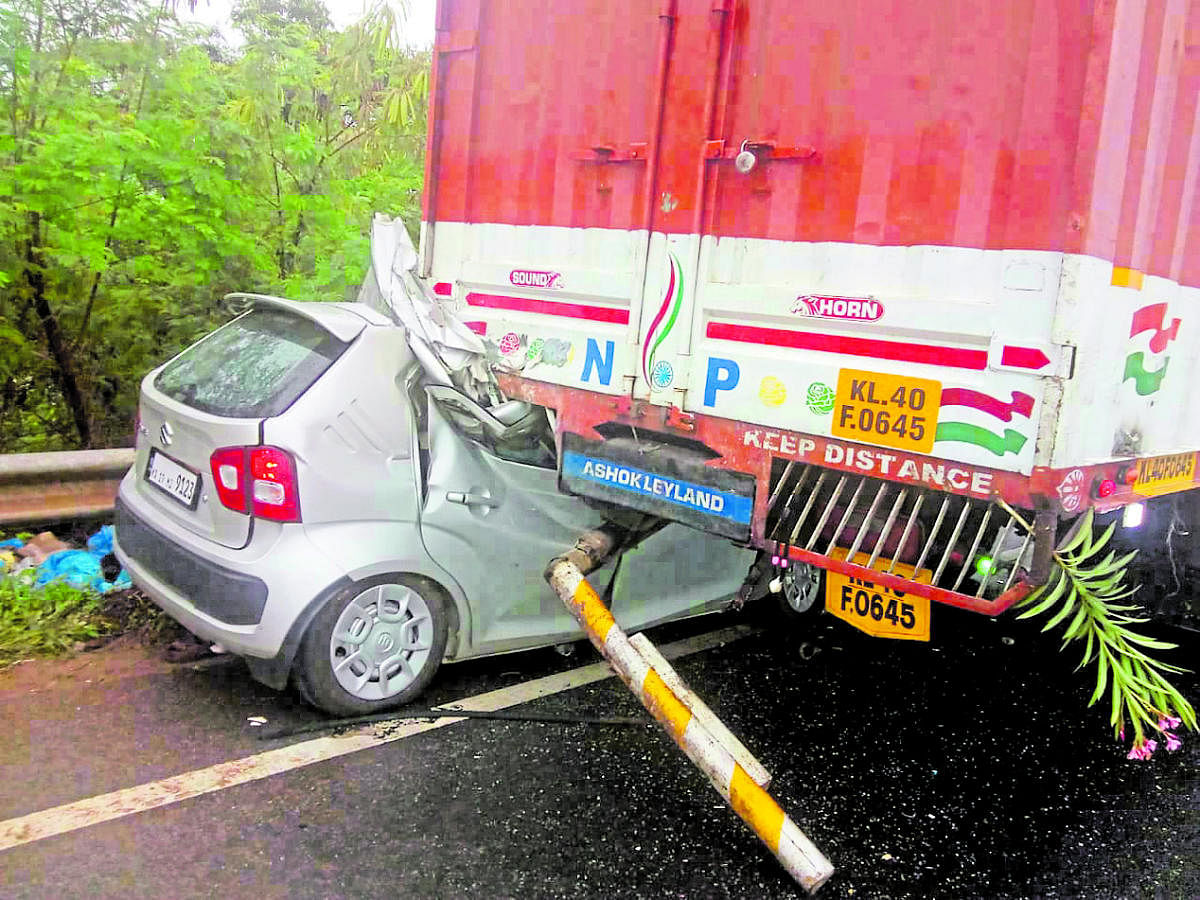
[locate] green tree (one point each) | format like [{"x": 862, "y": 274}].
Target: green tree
[
  {"x": 145, "y": 172},
  {"x": 340, "y": 119}
]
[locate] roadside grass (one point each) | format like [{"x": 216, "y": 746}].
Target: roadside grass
[{"x": 56, "y": 619}]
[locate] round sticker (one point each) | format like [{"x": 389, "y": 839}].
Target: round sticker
[
  {"x": 772, "y": 391},
  {"x": 820, "y": 398},
  {"x": 662, "y": 374},
  {"x": 510, "y": 343}
]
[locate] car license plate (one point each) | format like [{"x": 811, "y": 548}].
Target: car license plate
[
  {"x": 889, "y": 410},
  {"x": 1163, "y": 474},
  {"x": 173, "y": 479},
  {"x": 879, "y": 611}
]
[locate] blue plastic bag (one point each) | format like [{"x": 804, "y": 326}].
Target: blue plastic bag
[
  {"x": 76, "y": 567},
  {"x": 101, "y": 543}
]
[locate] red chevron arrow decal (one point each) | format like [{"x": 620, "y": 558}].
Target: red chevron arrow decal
[
  {"x": 1151, "y": 318},
  {"x": 1022, "y": 404}
]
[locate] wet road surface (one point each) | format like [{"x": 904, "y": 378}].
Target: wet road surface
[{"x": 967, "y": 767}]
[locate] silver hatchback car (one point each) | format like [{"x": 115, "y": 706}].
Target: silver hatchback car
[{"x": 305, "y": 497}]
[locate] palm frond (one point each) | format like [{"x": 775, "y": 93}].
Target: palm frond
[{"x": 1084, "y": 591}]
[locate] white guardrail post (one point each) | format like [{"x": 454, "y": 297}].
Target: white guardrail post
[{"x": 736, "y": 775}]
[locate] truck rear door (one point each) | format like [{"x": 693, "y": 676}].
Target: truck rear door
[
  {"x": 536, "y": 207},
  {"x": 852, "y": 278}
]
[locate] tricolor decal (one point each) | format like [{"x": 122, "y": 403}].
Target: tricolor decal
[
  {"x": 672, "y": 302},
  {"x": 966, "y": 433},
  {"x": 1011, "y": 441},
  {"x": 1147, "y": 381},
  {"x": 1151, "y": 318},
  {"x": 1021, "y": 404}
]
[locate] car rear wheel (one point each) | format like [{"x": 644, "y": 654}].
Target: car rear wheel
[{"x": 375, "y": 645}]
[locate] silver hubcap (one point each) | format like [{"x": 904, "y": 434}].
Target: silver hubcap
[
  {"x": 802, "y": 586},
  {"x": 381, "y": 642}
]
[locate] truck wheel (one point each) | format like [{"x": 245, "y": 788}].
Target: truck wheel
[
  {"x": 801, "y": 586},
  {"x": 375, "y": 645}
]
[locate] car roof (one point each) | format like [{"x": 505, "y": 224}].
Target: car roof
[{"x": 342, "y": 320}]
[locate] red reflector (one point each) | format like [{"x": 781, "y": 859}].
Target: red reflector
[
  {"x": 274, "y": 492},
  {"x": 1106, "y": 488},
  {"x": 229, "y": 477},
  {"x": 443, "y": 289},
  {"x": 1129, "y": 475}
]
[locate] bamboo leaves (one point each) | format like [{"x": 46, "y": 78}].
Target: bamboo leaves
[{"x": 1084, "y": 592}]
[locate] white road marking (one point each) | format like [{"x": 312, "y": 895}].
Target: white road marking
[{"x": 128, "y": 801}]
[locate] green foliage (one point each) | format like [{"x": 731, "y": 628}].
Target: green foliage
[
  {"x": 145, "y": 171},
  {"x": 45, "y": 621},
  {"x": 1084, "y": 595}
]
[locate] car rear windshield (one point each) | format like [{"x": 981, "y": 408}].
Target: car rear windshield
[{"x": 256, "y": 366}]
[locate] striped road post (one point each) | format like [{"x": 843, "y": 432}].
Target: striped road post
[{"x": 758, "y": 809}]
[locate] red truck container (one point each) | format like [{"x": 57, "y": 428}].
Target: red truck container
[{"x": 871, "y": 285}]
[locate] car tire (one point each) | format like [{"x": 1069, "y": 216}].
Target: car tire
[
  {"x": 799, "y": 598},
  {"x": 375, "y": 645}
]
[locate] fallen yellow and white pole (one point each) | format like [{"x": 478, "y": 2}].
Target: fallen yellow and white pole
[{"x": 713, "y": 754}]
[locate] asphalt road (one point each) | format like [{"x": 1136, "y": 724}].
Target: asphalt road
[{"x": 967, "y": 767}]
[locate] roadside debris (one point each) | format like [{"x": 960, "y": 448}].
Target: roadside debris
[{"x": 50, "y": 559}]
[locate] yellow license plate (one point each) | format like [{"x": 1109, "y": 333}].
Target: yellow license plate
[
  {"x": 889, "y": 410},
  {"x": 879, "y": 611},
  {"x": 1163, "y": 474}
]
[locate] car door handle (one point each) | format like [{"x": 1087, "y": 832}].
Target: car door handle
[{"x": 466, "y": 498}]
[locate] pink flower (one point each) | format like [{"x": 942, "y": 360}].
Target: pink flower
[
  {"x": 1173, "y": 743},
  {"x": 1168, "y": 722},
  {"x": 1145, "y": 750}
]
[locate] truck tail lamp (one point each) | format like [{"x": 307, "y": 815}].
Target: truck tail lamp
[
  {"x": 1104, "y": 487},
  {"x": 258, "y": 480}
]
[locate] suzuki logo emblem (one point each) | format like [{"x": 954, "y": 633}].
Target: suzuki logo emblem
[{"x": 165, "y": 434}]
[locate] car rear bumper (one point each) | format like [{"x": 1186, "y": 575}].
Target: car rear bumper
[
  {"x": 225, "y": 596},
  {"x": 247, "y": 600}
]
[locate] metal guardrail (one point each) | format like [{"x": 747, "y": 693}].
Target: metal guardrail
[{"x": 46, "y": 487}]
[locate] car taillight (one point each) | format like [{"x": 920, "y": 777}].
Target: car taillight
[
  {"x": 273, "y": 489},
  {"x": 259, "y": 480},
  {"x": 229, "y": 477}
]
